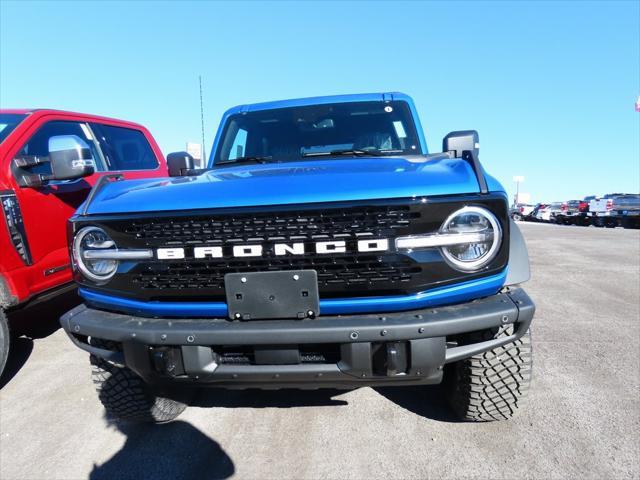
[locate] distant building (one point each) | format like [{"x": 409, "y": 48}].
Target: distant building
[{"x": 195, "y": 150}]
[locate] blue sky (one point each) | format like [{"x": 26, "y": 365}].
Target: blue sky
[{"x": 550, "y": 86}]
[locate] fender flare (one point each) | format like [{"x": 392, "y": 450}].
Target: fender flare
[{"x": 518, "y": 270}]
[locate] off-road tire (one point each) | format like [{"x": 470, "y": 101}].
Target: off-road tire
[
  {"x": 492, "y": 385},
  {"x": 125, "y": 396},
  {"x": 5, "y": 340}
]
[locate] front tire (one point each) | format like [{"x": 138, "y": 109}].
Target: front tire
[
  {"x": 125, "y": 396},
  {"x": 492, "y": 385},
  {"x": 5, "y": 340}
]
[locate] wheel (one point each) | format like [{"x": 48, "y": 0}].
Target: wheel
[
  {"x": 492, "y": 385},
  {"x": 517, "y": 217},
  {"x": 611, "y": 223},
  {"x": 598, "y": 222},
  {"x": 125, "y": 396},
  {"x": 5, "y": 340}
]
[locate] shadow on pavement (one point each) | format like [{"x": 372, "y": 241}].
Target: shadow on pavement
[
  {"x": 32, "y": 323},
  {"x": 19, "y": 353},
  {"x": 255, "y": 398},
  {"x": 174, "y": 450},
  {"x": 427, "y": 401}
]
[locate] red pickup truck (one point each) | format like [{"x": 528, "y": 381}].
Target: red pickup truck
[{"x": 49, "y": 160}]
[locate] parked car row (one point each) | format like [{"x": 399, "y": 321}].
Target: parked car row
[{"x": 611, "y": 210}]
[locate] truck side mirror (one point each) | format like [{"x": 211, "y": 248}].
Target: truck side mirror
[
  {"x": 462, "y": 141},
  {"x": 179, "y": 163},
  {"x": 70, "y": 158},
  {"x": 465, "y": 144}
]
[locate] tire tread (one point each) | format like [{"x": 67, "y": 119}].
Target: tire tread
[
  {"x": 126, "y": 396},
  {"x": 492, "y": 385}
]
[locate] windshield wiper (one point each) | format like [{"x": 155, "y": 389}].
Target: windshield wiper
[
  {"x": 351, "y": 151},
  {"x": 247, "y": 159}
]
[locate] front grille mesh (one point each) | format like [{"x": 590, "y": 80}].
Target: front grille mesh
[
  {"x": 278, "y": 226},
  {"x": 354, "y": 270}
]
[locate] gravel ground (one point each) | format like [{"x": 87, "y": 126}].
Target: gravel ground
[{"x": 582, "y": 419}]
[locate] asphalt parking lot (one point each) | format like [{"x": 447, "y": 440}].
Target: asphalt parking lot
[{"x": 582, "y": 419}]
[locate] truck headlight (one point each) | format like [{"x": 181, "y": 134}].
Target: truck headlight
[
  {"x": 483, "y": 233},
  {"x": 468, "y": 239},
  {"x": 92, "y": 248}
]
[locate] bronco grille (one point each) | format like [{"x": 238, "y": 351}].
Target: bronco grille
[
  {"x": 350, "y": 274},
  {"x": 351, "y": 270},
  {"x": 348, "y": 223}
]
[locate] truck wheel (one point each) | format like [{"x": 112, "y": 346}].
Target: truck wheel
[
  {"x": 125, "y": 396},
  {"x": 517, "y": 217},
  {"x": 492, "y": 385},
  {"x": 5, "y": 340}
]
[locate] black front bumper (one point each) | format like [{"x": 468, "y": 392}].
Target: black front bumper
[{"x": 400, "y": 348}]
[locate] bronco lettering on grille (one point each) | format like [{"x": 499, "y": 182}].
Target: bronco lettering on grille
[{"x": 279, "y": 249}]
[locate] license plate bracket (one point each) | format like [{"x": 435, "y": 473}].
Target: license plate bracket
[{"x": 269, "y": 295}]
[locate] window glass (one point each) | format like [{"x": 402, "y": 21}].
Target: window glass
[
  {"x": 124, "y": 148},
  {"x": 289, "y": 134},
  {"x": 38, "y": 145},
  {"x": 239, "y": 144},
  {"x": 8, "y": 123}
]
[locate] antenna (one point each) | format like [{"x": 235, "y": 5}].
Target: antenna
[{"x": 204, "y": 150}]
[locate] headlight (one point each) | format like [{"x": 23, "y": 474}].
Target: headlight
[
  {"x": 483, "y": 237},
  {"x": 468, "y": 239},
  {"x": 92, "y": 248}
]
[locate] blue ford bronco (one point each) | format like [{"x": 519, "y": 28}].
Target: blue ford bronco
[{"x": 323, "y": 247}]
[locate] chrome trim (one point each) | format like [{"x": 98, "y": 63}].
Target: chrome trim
[
  {"x": 439, "y": 240},
  {"x": 132, "y": 254}
]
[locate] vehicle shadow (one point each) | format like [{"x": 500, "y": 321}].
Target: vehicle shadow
[
  {"x": 255, "y": 398},
  {"x": 427, "y": 401},
  {"x": 173, "y": 450},
  {"x": 33, "y": 323},
  {"x": 19, "y": 352}
]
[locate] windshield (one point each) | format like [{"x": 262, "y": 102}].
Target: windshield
[
  {"x": 337, "y": 129},
  {"x": 8, "y": 122}
]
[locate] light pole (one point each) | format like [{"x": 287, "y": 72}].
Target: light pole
[{"x": 517, "y": 179}]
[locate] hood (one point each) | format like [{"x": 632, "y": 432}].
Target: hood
[{"x": 311, "y": 181}]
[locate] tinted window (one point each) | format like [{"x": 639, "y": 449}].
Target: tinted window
[
  {"x": 8, "y": 123},
  {"x": 627, "y": 200},
  {"x": 38, "y": 144},
  {"x": 124, "y": 148},
  {"x": 284, "y": 134}
]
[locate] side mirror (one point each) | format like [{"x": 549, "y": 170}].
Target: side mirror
[
  {"x": 465, "y": 144},
  {"x": 70, "y": 158},
  {"x": 462, "y": 141},
  {"x": 179, "y": 164}
]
